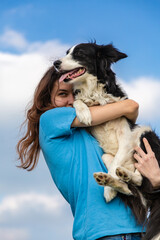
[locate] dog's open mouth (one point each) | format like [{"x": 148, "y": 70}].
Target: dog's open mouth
[{"x": 70, "y": 75}]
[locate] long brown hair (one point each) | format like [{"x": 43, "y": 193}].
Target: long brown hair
[{"x": 28, "y": 147}]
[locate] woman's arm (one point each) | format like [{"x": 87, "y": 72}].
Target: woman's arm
[
  {"x": 101, "y": 114},
  {"x": 147, "y": 164}
]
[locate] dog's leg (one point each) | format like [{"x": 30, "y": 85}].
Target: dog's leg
[
  {"x": 127, "y": 176},
  {"x": 107, "y": 159},
  {"x": 109, "y": 193},
  {"x": 105, "y": 179},
  {"x": 123, "y": 157},
  {"x": 83, "y": 112}
]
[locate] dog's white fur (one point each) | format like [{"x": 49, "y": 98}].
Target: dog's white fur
[{"x": 115, "y": 137}]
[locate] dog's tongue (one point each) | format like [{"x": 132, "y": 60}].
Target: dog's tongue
[{"x": 65, "y": 75}]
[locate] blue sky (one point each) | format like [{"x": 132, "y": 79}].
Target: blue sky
[
  {"x": 132, "y": 26},
  {"x": 32, "y": 35}
]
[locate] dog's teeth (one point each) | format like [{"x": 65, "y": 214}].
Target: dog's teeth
[{"x": 76, "y": 74}]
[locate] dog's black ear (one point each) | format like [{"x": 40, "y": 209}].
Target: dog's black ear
[{"x": 110, "y": 53}]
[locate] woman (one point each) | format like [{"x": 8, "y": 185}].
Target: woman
[{"x": 73, "y": 155}]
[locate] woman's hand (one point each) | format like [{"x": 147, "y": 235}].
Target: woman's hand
[
  {"x": 147, "y": 164},
  {"x": 132, "y": 109}
]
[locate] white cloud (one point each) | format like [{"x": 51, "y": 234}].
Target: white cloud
[
  {"x": 19, "y": 75},
  {"x": 22, "y": 213},
  {"x": 13, "y": 205},
  {"x": 15, "y": 40},
  {"x": 13, "y": 234},
  {"x": 11, "y": 38},
  {"x": 145, "y": 91},
  {"x": 52, "y": 49}
]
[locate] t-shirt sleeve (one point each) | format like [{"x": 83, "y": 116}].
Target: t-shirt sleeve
[{"x": 57, "y": 122}]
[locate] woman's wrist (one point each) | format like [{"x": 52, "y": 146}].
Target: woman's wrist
[{"x": 156, "y": 181}]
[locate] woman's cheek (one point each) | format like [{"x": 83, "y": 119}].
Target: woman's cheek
[{"x": 60, "y": 102}]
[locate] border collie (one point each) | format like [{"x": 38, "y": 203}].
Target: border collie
[{"x": 88, "y": 67}]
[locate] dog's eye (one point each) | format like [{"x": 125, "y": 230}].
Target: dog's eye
[{"x": 79, "y": 53}]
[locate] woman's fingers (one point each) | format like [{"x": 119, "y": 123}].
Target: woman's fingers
[
  {"x": 147, "y": 146},
  {"x": 137, "y": 157},
  {"x": 148, "y": 150},
  {"x": 140, "y": 152}
]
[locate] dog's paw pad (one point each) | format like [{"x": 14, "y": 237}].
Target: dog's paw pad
[
  {"x": 122, "y": 174},
  {"x": 101, "y": 178}
]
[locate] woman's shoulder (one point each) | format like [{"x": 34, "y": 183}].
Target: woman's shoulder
[
  {"x": 58, "y": 112},
  {"x": 57, "y": 121}
]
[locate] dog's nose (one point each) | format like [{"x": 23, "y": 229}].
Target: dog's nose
[{"x": 57, "y": 64}]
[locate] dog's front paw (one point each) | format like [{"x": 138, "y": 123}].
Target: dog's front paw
[
  {"x": 83, "y": 112},
  {"x": 109, "y": 193}
]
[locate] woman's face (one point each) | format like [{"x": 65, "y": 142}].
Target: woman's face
[{"x": 62, "y": 95}]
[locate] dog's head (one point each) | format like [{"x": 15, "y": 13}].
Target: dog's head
[{"x": 88, "y": 59}]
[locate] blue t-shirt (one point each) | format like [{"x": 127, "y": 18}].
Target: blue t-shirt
[{"x": 72, "y": 156}]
